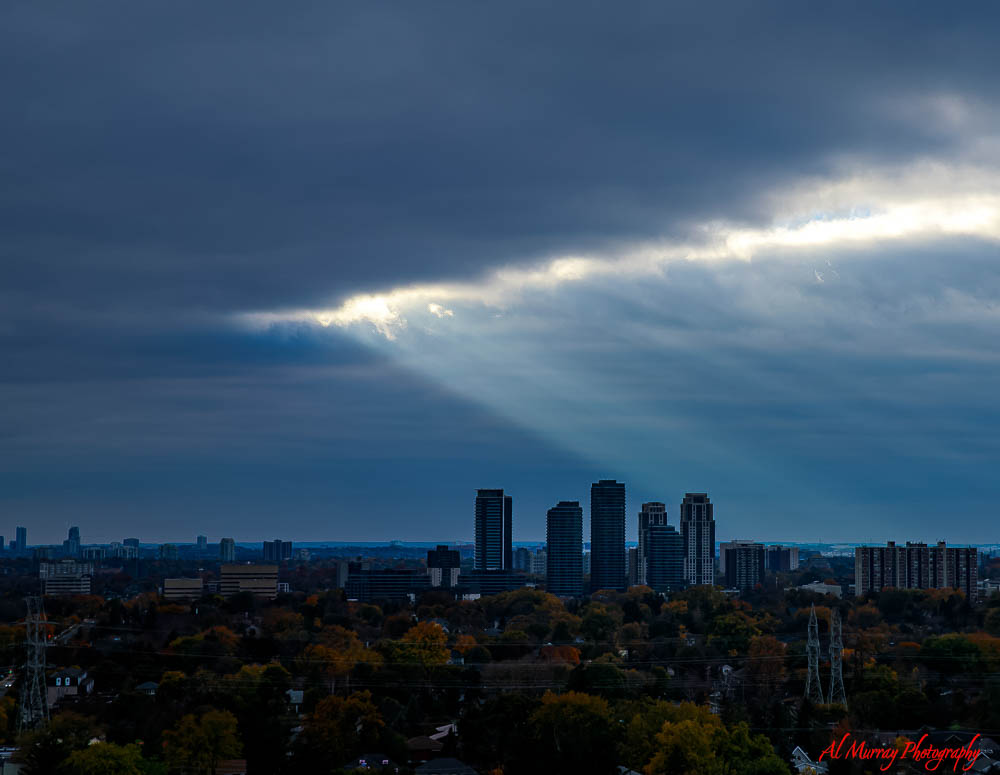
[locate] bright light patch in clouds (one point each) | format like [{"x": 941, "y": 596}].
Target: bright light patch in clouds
[{"x": 855, "y": 212}]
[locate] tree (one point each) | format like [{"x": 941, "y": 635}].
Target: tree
[
  {"x": 44, "y": 750},
  {"x": 339, "y": 728},
  {"x": 105, "y": 759},
  {"x": 732, "y": 632},
  {"x": 766, "y": 665},
  {"x": 424, "y": 644},
  {"x": 693, "y": 741},
  {"x": 991, "y": 623},
  {"x": 576, "y": 733},
  {"x": 198, "y": 744},
  {"x": 951, "y": 653}
]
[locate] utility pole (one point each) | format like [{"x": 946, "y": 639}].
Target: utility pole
[
  {"x": 814, "y": 690},
  {"x": 837, "y": 693},
  {"x": 34, "y": 701}
]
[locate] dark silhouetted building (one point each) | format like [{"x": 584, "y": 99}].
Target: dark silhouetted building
[
  {"x": 780, "y": 559},
  {"x": 202, "y": 545},
  {"x": 651, "y": 514},
  {"x": 607, "y": 535},
  {"x": 444, "y": 566},
  {"x": 742, "y": 562},
  {"x": 489, "y": 582},
  {"x": 632, "y": 566},
  {"x": 391, "y": 584},
  {"x": 564, "y": 547},
  {"x": 71, "y": 546},
  {"x": 21, "y": 540},
  {"x": 664, "y": 558},
  {"x": 227, "y": 550},
  {"x": 277, "y": 551},
  {"x": 493, "y": 530},
  {"x": 698, "y": 533},
  {"x": 522, "y": 559},
  {"x": 917, "y": 566}
]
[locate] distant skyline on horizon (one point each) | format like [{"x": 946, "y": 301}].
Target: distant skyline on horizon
[{"x": 318, "y": 271}]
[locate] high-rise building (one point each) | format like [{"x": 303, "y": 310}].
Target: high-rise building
[
  {"x": 743, "y": 563},
  {"x": 169, "y": 553},
  {"x": 698, "y": 533},
  {"x": 564, "y": 546},
  {"x": 227, "y": 550},
  {"x": 779, "y": 559},
  {"x": 664, "y": 567},
  {"x": 71, "y": 546},
  {"x": 917, "y": 566},
  {"x": 522, "y": 559},
  {"x": 654, "y": 513},
  {"x": 133, "y": 542},
  {"x": 632, "y": 566},
  {"x": 21, "y": 539},
  {"x": 607, "y": 535},
  {"x": 277, "y": 551},
  {"x": 3, "y": 544},
  {"x": 202, "y": 545},
  {"x": 540, "y": 563},
  {"x": 443, "y": 566},
  {"x": 493, "y": 530}
]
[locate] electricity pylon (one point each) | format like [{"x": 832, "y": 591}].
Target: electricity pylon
[
  {"x": 837, "y": 693},
  {"x": 34, "y": 701},
  {"x": 814, "y": 690}
]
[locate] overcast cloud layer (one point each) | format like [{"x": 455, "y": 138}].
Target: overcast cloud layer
[{"x": 320, "y": 271}]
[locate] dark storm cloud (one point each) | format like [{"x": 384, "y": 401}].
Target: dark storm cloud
[
  {"x": 162, "y": 167},
  {"x": 237, "y": 156}
]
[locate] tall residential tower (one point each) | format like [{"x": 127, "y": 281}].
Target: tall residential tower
[
  {"x": 564, "y": 543},
  {"x": 698, "y": 534},
  {"x": 493, "y": 530},
  {"x": 607, "y": 535}
]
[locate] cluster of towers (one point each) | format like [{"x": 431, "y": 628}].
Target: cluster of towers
[
  {"x": 814, "y": 688},
  {"x": 666, "y": 557}
]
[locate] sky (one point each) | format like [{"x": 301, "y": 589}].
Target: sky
[{"x": 319, "y": 271}]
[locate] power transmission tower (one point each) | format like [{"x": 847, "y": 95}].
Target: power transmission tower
[
  {"x": 837, "y": 693},
  {"x": 814, "y": 690},
  {"x": 34, "y": 702}
]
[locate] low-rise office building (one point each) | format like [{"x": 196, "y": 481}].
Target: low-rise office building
[{"x": 260, "y": 580}]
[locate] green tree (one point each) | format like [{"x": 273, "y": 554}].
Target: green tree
[
  {"x": 951, "y": 653},
  {"x": 105, "y": 759},
  {"x": 991, "y": 623},
  {"x": 44, "y": 750},
  {"x": 693, "y": 741}
]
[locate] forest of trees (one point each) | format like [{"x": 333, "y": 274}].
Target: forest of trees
[{"x": 700, "y": 683}]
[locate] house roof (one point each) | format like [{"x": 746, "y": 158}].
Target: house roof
[
  {"x": 424, "y": 743},
  {"x": 147, "y": 685}
]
